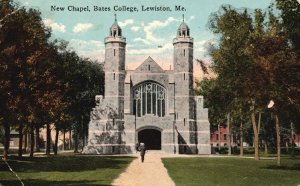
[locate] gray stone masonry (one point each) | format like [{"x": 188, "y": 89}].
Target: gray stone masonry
[{"x": 148, "y": 104}]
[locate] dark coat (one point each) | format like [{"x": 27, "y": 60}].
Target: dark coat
[
  {"x": 143, "y": 150},
  {"x": 137, "y": 147}
]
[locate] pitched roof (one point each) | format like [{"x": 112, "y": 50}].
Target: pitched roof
[{"x": 149, "y": 66}]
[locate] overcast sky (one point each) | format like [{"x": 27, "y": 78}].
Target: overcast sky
[{"x": 144, "y": 31}]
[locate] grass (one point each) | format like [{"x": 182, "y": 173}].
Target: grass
[
  {"x": 63, "y": 170},
  {"x": 10, "y": 151},
  {"x": 102, "y": 170},
  {"x": 232, "y": 171},
  {"x": 250, "y": 151}
]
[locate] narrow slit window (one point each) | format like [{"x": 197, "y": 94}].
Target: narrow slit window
[
  {"x": 114, "y": 76},
  {"x": 149, "y": 67},
  {"x": 184, "y": 52},
  {"x": 114, "y": 52},
  {"x": 184, "y": 121},
  {"x": 184, "y": 76}
]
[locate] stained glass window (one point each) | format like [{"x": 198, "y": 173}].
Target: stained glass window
[{"x": 149, "y": 98}]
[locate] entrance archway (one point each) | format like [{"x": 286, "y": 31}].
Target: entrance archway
[{"x": 151, "y": 138}]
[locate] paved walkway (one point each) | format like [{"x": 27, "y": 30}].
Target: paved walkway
[{"x": 151, "y": 172}]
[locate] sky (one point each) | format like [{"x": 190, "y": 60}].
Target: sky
[{"x": 148, "y": 33}]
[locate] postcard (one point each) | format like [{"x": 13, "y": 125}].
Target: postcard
[{"x": 140, "y": 78}]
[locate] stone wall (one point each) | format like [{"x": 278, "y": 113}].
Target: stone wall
[
  {"x": 113, "y": 129},
  {"x": 203, "y": 127}
]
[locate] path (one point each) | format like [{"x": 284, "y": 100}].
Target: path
[{"x": 151, "y": 172}]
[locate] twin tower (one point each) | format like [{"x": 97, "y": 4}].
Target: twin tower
[{"x": 148, "y": 104}]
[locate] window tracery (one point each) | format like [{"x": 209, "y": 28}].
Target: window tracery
[{"x": 149, "y": 98}]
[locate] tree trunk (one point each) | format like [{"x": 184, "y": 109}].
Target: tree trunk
[
  {"x": 70, "y": 139},
  {"x": 292, "y": 140},
  {"x": 6, "y": 140},
  {"x": 258, "y": 129},
  {"x": 278, "y": 140},
  {"x": 255, "y": 131},
  {"x": 64, "y": 139},
  {"x": 76, "y": 141},
  {"x": 266, "y": 147},
  {"x": 229, "y": 134},
  {"x": 37, "y": 139},
  {"x": 48, "y": 139},
  {"x": 83, "y": 143},
  {"x": 84, "y": 140},
  {"x": 56, "y": 142},
  {"x": 26, "y": 141},
  {"x": 241, "y": 134},
  {"x": 259, "y": 121},
  {"x": 20, "y": 151},
  {"x": 31, "y": 140}
]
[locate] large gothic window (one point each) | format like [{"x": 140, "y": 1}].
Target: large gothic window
[{"x": 149, "y": 98}]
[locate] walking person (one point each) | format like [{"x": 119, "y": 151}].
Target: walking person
[
  {"x": 143, "y": 151},
  {"x": 137, "y": 147}
]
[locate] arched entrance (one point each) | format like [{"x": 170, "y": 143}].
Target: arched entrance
[{"x": 151, "y": 138}]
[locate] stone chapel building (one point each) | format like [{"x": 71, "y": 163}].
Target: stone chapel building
[{"x": 149, "y": 104}]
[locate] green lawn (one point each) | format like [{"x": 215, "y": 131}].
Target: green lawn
[
  {"x": 64, "y": 170},
  {"x": 232, "y": 171}
]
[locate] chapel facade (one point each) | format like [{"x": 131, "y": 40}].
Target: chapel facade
[{"x": 148, "y": 104}]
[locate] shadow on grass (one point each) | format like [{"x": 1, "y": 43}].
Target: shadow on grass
[
  {"x": 38, "y": 182},
  {"x": 64, "y": 163},
  {"x": 275, "y": 167}
]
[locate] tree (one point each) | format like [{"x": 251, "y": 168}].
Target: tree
[
  {"x": 290, "y": 15},
  {"x": 28, "y": 66},
  {"x": 87, "y": 82},
  {"x": 272, "y": 55},
  {"x": 23, "y": 39},
  {"x": 85, "y": 79},
  {"x": 230, "y": 58},
  {"x": 250, "y": 61},
  {"x": 6, "y": 13}
]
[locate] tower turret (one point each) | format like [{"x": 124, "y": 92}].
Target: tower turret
[
  {"x": 183, "y": 30},
  {"x": 184, "y": 100},
  {"x": 115, "y": 29},
  {"x": 115, "y": 45},
  {"x": 183, "y": 71}
]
